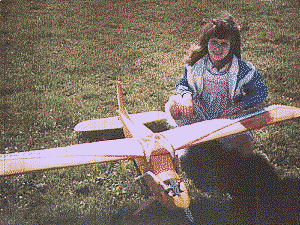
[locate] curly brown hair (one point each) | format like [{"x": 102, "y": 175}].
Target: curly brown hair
[{"x": 222, "y": 26}]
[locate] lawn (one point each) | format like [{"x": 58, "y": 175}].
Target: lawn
[{"x": 60, "y": 63}]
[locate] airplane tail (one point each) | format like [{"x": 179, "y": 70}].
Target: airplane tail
[
  {"x": 123, "y": 120},
  {"x": 130, "y": 128},
  {"x": 122, "y": 108}
]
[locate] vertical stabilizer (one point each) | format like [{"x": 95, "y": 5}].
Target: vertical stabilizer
[
  {"x": 130, "y": 128},
  {"x": 121, "y": 102}
]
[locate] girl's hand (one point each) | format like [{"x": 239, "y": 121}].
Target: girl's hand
[{"x": 187, "y": 106}]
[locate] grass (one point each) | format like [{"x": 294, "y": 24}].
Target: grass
[{"x": 60, "y": 63}]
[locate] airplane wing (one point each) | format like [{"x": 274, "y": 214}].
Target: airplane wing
[
  {"x": 80, "y": 154},
  {"x": 115, "y": 123},
  {"x": 179, "y": 138},
  {"x": 218, "y": 128}
]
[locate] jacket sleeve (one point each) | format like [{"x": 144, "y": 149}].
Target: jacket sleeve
[
  {"x": 182, "y": 85},
  {"x": 254, "y": 92}
]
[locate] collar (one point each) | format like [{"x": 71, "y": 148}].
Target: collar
[{"x": 213, "y": 70}]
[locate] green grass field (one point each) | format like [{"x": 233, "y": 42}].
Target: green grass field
[{"x": 60, "y": 62}]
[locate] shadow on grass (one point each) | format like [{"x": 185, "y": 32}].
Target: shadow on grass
[
  {"x": 204, "y": 211},
  {"x": 104, "y": 135}
]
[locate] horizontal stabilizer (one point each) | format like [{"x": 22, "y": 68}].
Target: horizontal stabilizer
[
  {"x": 193, "y": 134},
  {"x": 115, "y": 123}
]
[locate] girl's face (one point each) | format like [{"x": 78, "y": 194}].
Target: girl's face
[{"x": 218, "y": 49}]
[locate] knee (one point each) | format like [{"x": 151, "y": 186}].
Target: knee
[{"x": 244, "y": 143}]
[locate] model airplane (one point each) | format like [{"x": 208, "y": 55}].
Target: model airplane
[{"x": 153, "y": 153}]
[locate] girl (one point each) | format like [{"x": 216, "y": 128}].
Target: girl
[{"x": 216, "y": 82}]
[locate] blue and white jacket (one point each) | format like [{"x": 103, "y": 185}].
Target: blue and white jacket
[{"x": 245, "y": 83}]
